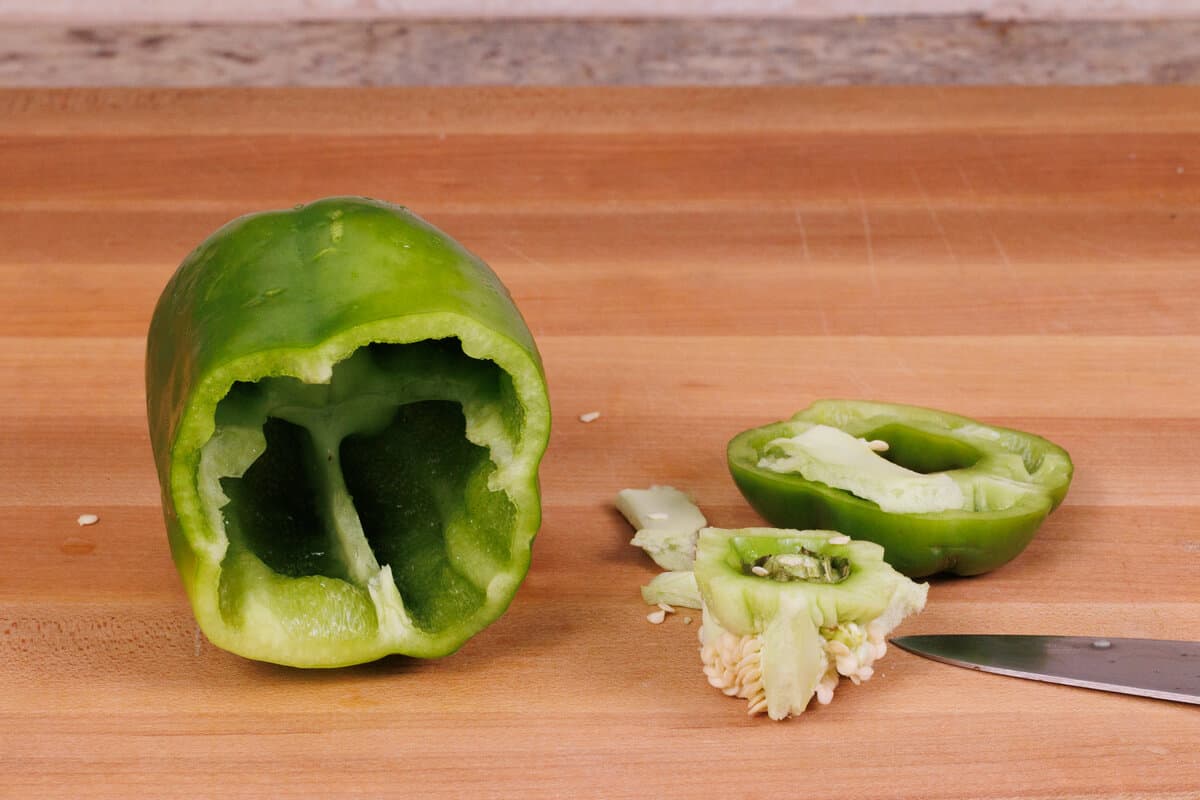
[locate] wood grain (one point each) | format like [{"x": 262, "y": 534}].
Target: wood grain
[{"x": 693, "y": 262}]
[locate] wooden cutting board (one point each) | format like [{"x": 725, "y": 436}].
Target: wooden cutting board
[{"x": 693, "y": 263}]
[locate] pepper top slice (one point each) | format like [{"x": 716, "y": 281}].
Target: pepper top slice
[
  {"x": 347, "y": 413},
  {"x": 788, "y": 611},
  {"x": 1004, "y": 482}
]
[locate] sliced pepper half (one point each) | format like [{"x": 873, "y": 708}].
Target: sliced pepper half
[
  {"x": 971, "y": 498},
  {"x": 347, "y": 414}
]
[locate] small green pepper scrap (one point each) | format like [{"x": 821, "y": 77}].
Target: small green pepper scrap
[
  {"x": 939, "y": 492},
  {"x": 347, "y": 414}
]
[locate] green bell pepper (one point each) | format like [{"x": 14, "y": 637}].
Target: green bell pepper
[
  {"x": 347, "y": 414},
  {"x": 946, "y": 494}
]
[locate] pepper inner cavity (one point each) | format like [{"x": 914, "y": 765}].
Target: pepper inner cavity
[
  {"x": 373, "y": 469},
  {"x": 275, "y": 509},
  {"x": 923, "y": 451}
]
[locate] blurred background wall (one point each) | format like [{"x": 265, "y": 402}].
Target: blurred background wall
[
  {"x": 561, "y": 42},
  {"x": 274, "y": 10}
]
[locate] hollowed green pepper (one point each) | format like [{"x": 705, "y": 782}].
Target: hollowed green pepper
[
  {"x": 347, "y": 413},
  {"x": 988, "y": 488}
]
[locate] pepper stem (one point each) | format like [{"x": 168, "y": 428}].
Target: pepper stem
[{"x": 802, "y": 566}]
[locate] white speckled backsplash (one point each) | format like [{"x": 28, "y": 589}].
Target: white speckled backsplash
[{"x": 878, "y": 50}]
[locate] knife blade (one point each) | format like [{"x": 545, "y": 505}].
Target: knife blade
[{"x": 1159, "y": 668}]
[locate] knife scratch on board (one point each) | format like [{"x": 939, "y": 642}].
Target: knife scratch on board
[
  {"x": 937, "y": 221},
  {"x": 803, "y": 234},
  {"x": 867, "y": 236}
]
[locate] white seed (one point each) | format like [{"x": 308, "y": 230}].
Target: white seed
[
  {"x": 838, "y": 648},
  {"x": 840, "y": 539},
  {"x": 656, "y": 617},
  {"x": 749, "y": 674},
  {"x": 878, "y": 445},
  {"x": 590, "y": 416},
  {"x": 666, "y": 608},
  {"x": 87, "y": 519},
  {"x": 760, "y": 571}
]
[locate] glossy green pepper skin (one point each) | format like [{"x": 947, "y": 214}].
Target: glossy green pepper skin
[
  {"x": 347, "y": 413},
  {"x": 1013, "y": 481}
]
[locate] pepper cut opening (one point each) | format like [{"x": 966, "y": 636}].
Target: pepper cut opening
[{"x": 392, "y": 463}]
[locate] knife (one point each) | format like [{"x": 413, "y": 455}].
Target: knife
[{"x": 1167, "y": 670}]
